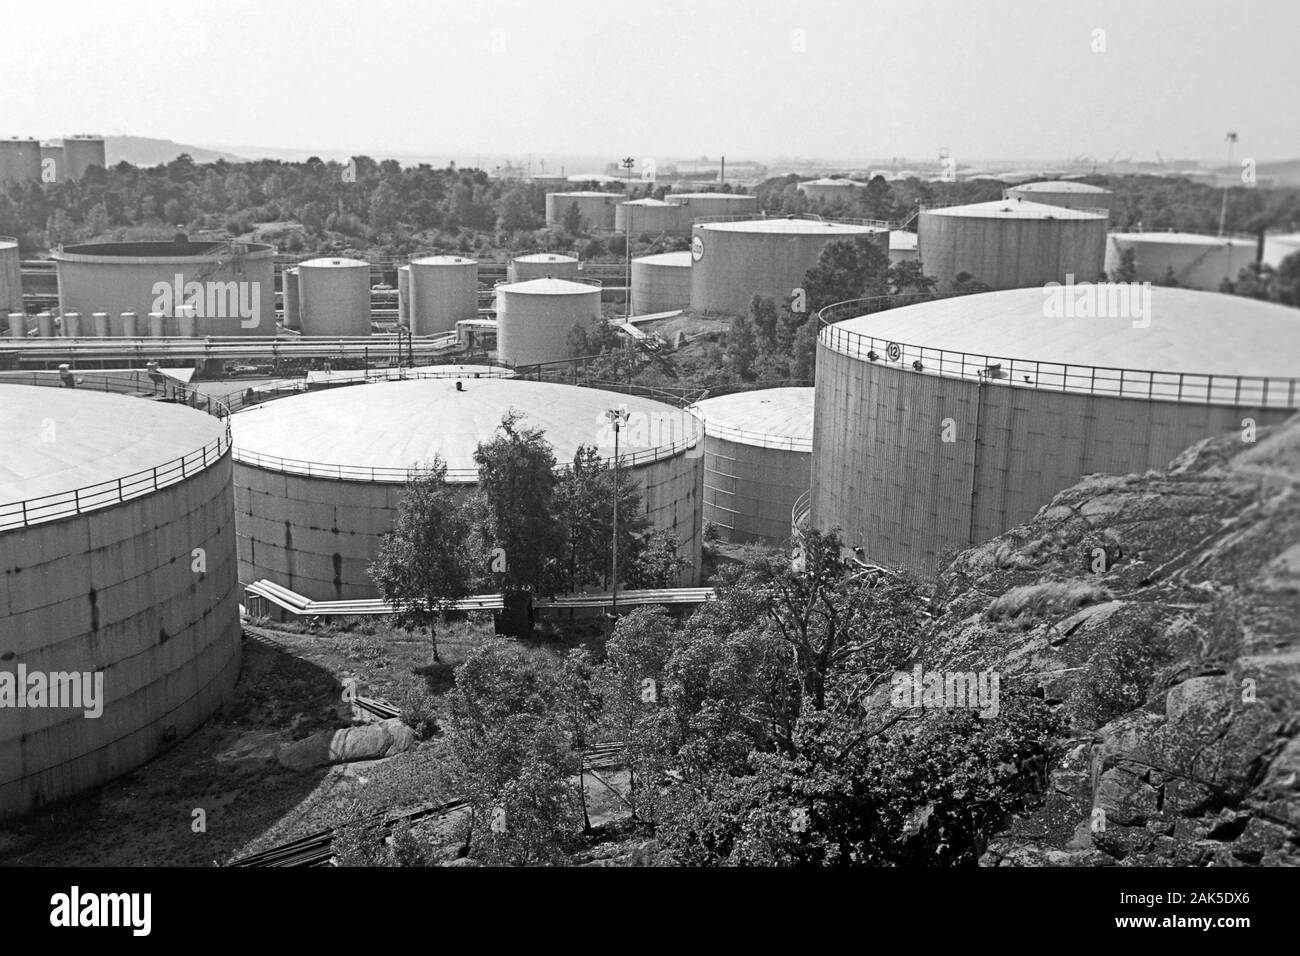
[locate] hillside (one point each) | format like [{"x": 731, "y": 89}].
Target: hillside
[
  {"x": 145, "y": 151},
  {"x": 1178, "y": 665}
]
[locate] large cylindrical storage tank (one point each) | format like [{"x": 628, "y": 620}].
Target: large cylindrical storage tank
[
  {"x": 735, "y": 260},
  {"x": 232, "y": 284},
  {"x": 1192, "y": 261},
  {"x": 81, "y": 152},
  {"x": 535, "y": 317},
  {"x": 827, "y": 190},
  {"x": 596, "y": 209},
  {"x": 292, "y": 299},
  {"x": 654, "y": 216},
  {"x": 1066, "y": 193},
  {"x": 20, "y": 160},
  {"x": 757, "y": 461},
  {"x": 111, "y": 571},
  {"x": 539, "y": 265},
  {"x": 661, "y": 283},
  {"x": 11, "y": 277},
  {"x": 1277, "y": 246},
  {"x": 704, "y": 205},
  {"x": 404, "y": 296},
  {"x": 443, "y": 291},
  {"x": 1010, "y": 405},
  {"x": 53, "y": 163},
  {"x": 317, "y": 533},
  {"x": 334, "y": 296},
  {"x": 1011, "y": 244},
  {"x": 902, "y": 246}
]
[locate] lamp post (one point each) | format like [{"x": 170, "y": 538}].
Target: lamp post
[
  {"x": 617, "y": 417},
  {"x": 628, "y": 163},
  {"x": 1231, "y": 139}
]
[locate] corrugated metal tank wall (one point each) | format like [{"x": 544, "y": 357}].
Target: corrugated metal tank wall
[
  {"x": 292, "y": 299},
  {"x": 334, "y": 296},
  {"x": 749, "y": 490},
  {"x": 596, "y": 209},
  {"x": 1011, "y": 252},
  {"x": 404, "y": 296},
  {"x": 11, "y": 278},
  {"x": 20, "y": 160},
  {"x": 533, "y": 327},
  {"x": 829, "y": 192},
  {"x": 661, "y": 283},
  {"x": 882, "y": 473},
  {"x": 540, "y": 265},
  {"x": 700, "y": 205},
  {"x": 82, "y": 152},
  {"x": 1067, "y": 198},
  {"x": 656, "y": 218},
  {"x": 443, "y": 291},
  {"x": 1198, "y": 262},
  {"x": 53, "y": 163}
]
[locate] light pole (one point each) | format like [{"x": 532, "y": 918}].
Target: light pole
[
  {"x": 628, "y": 163},
  {"x": 617, "y": 417},
  {"x": 1223, "y": 209}
]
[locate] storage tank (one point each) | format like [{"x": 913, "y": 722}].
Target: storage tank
[
  {"x": 654, "y": 216},
  {"x": 82, "y": 151},
  {"x": 704, "y": 205},
  {"x": 540, "y": 265},
  {"x": 827, "y": 190},
  {"x": 320, "y": 475},
  {"x": 232, "y": 284},
  {"x": 942, "y": 424},
  {"x": 596, "y": 208},
  {"x": 11, "y": 277},
  {"x": 1194, "y": 261},
  {"x": 1277, "y": 246},
  {"x": 661, "y": 283},
  {"x": 1064, "y": 192},
  {"x": 334, "y": 296},
  {"x": 20, "y": 160},
  {"x": 118, "y": 564},
  {"x": 757, "y": 461},
  {"x": 292, "y": 299},
  {"x": 404, "y": 296},
  {"x": 535, "y": 317},
  {"x": 53, "y": 166},
  {"x": 1011, "y": 244},
  {"x": 735, "y": 260},
  {"x": 902, "y": 246},
  {"x": 443, "y": 291}
]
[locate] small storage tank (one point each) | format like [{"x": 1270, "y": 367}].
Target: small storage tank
[
  {"x": 735, "y": 260},
  {"x": 596, "y": 209},
  {"x": 82, "y": 151},
  {"x": 11, "y": 278},
  {"x": 334, "y": 297},
  {"x": 20, "y": 160},
  {"x": 827, "y": 190},
  {"x": 443, "y": 290},
  {"x": 757, "y": 461},
  {"x": 404, "y": 296},
  {"x": 902, "y": 246},
  {"x": 292, "y": 299},
  {"x": 1277, "y": 246},
  {"x": 1193, "y": 261},
  {"x": 654, "y": 216},
  {"x": 703, "y": 205},
  {"x": 540, "y": 265},
  {"x": 1065, "y": 193},
  {"x": 52, "y": 163},
  {"x": 535, "y": 317},
  {"x": 661, "y": 283},
  {"x": 1011, "y": 244}
]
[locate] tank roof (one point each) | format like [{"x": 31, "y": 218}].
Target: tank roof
[
  {"x": 1061, "y": 186},
  {"x": 444, "y": 261},
  {"x": 827, "y": 181},
  {"x": 6, "y": 244},
  {"x": 1189, "y": 332},
  {"x": 666, "y": 259},
  {"x": 545, "y": 257},
  {"x": 802, "y": 227},
  {"x": 548, "y": 286},
  {"x": 88, "y": 251},
  {"x": 585, "y": 192},
  {"x": 394, "y": 425},
  {"x": 19, "y": 139},
  {"x": 1183, "y": 238},
  {"x": 1013, "y": 209},
  {"x": 330, "y": 262},
  {"x": 767, "y": 417},
  {"x": 648, "y": 202},
  {"x": 713, "y": 196},
  {"x": 97, "y": 437}
]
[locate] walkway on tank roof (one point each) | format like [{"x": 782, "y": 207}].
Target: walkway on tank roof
[
  {"x": 766, "y": 417},
  {"x": 1014, "y": 209},
  {"x": 809, "y": 227}
]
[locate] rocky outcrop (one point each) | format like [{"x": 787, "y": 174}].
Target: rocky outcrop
[
  {"x": 369, "y": 742},
  {"x": 1161, "y": 614}
]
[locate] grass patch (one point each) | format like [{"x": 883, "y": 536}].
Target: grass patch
[{"x": 1032, "y": 601}]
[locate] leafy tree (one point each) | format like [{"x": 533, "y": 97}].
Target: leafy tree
[
  {"x": 967, "y": 283},
  {"x": 846, "y": 269},
  {"x": 422, "y": 567},
  {"x": 763, "y": 314},
  {"x": 572, "y": 220},
  {"x": 908, "y": 277},
  {"x": 584, "y": 508},
  {"x": 515, "y": 211},
  {"x": 742, "y": 347},
  {"x": 659, "y": 563},
  {"x": 1126, "y": 271},
  {"x": 1285, "y": 284},
  {"x": 385, "y": 208}
]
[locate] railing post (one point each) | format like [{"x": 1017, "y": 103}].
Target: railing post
[
  {"x": 76, "y": 500},
  {"x": 155, "y": 478}
]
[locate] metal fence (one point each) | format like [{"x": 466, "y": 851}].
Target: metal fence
[
  {"x": 105, "y": 494},
  {"x": 809, "y": 217},
  {"x": 1205, "y": 388}
]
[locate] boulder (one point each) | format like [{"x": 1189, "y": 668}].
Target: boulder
[{"x": 370, "y": 742}]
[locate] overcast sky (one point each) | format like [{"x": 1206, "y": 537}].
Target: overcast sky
[{"x": 675, "y": 78}]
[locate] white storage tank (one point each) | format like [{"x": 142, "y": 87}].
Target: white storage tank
[
  {"x": 1064, "y": 192},
  {"x": 827, "y": 190},
  {"x": 292, "y": 299},
  {"x": 539, "y": 265},
  {"x": 320, "y": 475},
  {"x": 1277, "y": 246},
  {"x": 942, "y": 424},
  {"x": 535, "y": 317},
  {"x": 118, "y": 564},
  {"x": 654, "y": 216},
  {"x": 1011, "y": 244},
  {"x": 1192, "y": 260},
  {"x": 443, "y": 290},
  {"x": 404, "y": 296},
  {"x": 52, "y": 163},
  {"x": 757, "y": 461},
  {"x": 20, "y": 160},
  {"x": 595, "y": 208},
  {"x": 661, "y": 283},
  {"x": 11, "y": 278},
  {"x": 902, "y": 246},
  {"x": 334, "y": 297},
  {"x": 705, "y": 205},
  {"x": 82, "y": 151},
  {"x": 735, "y": 260}
]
